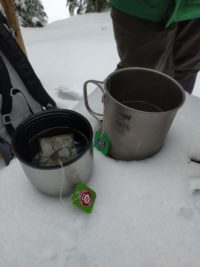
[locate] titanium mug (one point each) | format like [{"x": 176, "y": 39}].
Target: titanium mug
[{"x": 139, "y": 107}]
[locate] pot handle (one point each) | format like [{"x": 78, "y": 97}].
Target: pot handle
[{"x": 85, "y": 92}]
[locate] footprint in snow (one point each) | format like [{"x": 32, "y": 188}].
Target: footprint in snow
[
  {"x": 186, "y": 213},
  {"x": 49, "y": 254},
  {"x": 195, "y": 191},
  {"x": 103, "y": 27},
  {"x": 194, "y": 188},
  {"x": 66, "y": 93},
  {"x": 77, "y": 259}
]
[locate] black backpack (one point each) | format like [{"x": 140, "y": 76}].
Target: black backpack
[{"x": 21, "y": 92}]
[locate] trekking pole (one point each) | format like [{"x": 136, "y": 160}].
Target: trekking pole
[{"x": 9, "y": 10}]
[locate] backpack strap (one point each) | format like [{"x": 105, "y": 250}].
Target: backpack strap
[
  {"x": 15, "y": 55},
  {"x": 6, "y": 100},
  {"x": 6, "y": 151},
  {"x": 15, "y": 91},
  {"x": 8, "y": 92}
]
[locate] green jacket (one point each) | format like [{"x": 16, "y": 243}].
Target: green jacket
[{"x": 169, "y": 11}]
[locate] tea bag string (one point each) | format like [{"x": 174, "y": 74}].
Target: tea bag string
[
  {"x": 62, "y": 178},
  {"x": 102, "y": 128},
  {"x": 62, "y": 182},
  {"x": 77, "y": 193}
]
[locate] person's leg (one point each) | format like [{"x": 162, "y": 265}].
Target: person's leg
[
  {"x": 143, "y": 43},
  {"x": 188, "y": 83},
  {"x": 187, "y": 53}
]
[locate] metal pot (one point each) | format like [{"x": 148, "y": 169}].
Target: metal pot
[
  {"x": 25, "y": 145},
  {"x": 139, "y": 107}
]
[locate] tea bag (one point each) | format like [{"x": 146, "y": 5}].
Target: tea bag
[{"x": 56, "y": 149}]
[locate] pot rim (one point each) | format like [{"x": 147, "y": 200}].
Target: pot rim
[
  {"x": 147, "y": 70},
  {"x": 33, "y": 118}
]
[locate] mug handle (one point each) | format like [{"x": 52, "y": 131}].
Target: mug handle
[{"x": 85, "y": 92}]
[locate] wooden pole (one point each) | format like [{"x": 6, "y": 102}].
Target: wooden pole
[{"x": 9, "y": 10}]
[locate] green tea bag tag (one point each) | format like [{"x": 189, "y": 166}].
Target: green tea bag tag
[
  {"x": 83, "y": 197},
  {"x": 102, "y": 142}
]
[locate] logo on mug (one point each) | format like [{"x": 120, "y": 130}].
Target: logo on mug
[
  {"x": 122, "y": 123},
  {"x": 101, "y": 142}
]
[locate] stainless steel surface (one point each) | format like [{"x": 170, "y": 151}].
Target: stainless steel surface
[
  {"x": 60, "y": 181},
  {"x": 61, "y": 178},
  {"x": 139, "y": 108}
]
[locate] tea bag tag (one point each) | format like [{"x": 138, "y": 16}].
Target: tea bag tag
[
  {"x": 83, "y": 197},
  {"x": 102, "y": 142}
]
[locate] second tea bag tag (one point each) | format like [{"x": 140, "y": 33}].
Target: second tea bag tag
[{"x": 102, "y": 142}]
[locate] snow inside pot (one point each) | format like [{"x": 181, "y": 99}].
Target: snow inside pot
[{"x": 54, "y": 148}]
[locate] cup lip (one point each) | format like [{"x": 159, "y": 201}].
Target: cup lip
[
  {"x": 147, "y": 70},
  {"x": 47, "y": 113}
]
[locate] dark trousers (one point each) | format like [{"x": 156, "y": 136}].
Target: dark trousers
[{"x": 174, "y": 50}]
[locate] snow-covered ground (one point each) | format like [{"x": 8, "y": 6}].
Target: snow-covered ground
[
  {"x": 147, "y": 213},
  {"x": 196, "y": 91},
  {"x": 71, "y": 52}
]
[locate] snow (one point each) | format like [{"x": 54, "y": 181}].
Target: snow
[
  {"x": 55, "y": 10},
  {"x": 65, "y": 62},
  {"x": 147, "y": 213}
]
